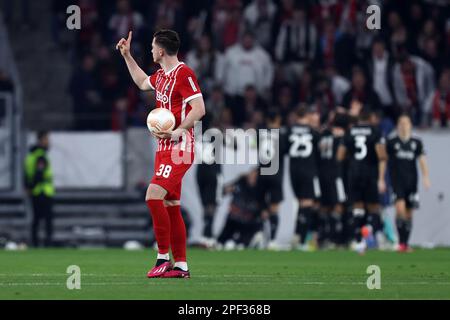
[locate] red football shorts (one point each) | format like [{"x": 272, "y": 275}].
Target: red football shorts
[{"x": 169, "y": 174}]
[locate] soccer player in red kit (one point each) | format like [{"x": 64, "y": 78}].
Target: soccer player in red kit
[{"x": 177, "y": 90}]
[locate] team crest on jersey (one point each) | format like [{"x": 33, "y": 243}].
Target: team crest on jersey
[
  {"x": 397, "y": 146},
  {"x": 413, "y": 146}
]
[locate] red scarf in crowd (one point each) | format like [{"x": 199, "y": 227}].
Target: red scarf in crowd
[{"x": 437, "y": 110}]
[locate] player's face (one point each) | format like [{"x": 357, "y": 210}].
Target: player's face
[
  {"x": 157, "y": 52},
  {"x": 404, "y": 126}
]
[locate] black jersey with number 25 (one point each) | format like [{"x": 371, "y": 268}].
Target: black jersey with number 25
[{"x": 302, "y": 143}]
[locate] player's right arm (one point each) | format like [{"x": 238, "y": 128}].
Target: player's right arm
[
  {"x": 342, "y": 149},
  {"x": 138, "y": 75}
]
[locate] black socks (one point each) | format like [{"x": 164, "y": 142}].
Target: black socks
[{"x": 273, "y": 219}]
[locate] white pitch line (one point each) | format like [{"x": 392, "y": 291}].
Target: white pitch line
[{"x": 156, "y": 281}]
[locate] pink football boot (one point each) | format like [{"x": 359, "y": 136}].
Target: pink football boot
[
  {"x": 176, "y": 273},
  {"x": 158, "y": 271}
]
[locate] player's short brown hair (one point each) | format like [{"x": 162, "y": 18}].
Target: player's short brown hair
[
  {"x": 169, "y": 40},
  {"x": 302, "y": 111}
]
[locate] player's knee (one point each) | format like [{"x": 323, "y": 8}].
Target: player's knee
[
  {"x": 155, "y": 192},
  {"x": 171, "y": 203},
  {"x": 400, "y": 207},
  {"x": 274, "y": 208},
  {"x": 306, "y": 202}
]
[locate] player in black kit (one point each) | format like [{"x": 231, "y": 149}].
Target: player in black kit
[
  {"x": 330, "y": 177},
  {"x": 365, "y": 147},
  {"x": 270, "y": 186},
  {"x": 404, "y": 151},
  {"x": 302, "y": 148}
]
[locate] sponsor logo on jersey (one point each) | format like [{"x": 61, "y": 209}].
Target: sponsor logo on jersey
[{"x": 162, "y": 97}]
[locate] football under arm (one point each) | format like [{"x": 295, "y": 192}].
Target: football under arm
[
  {"x": 140, "y": 78},
  {"x": 196, "y": 113}
]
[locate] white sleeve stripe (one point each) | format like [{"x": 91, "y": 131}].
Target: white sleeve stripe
[
  {"x": 192, "y": 97},
  {"x": 192, "y": 84},
  {"x": 148, "y": 80}
]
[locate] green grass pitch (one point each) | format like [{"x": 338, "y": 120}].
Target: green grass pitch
[{"x": 249, "y": 274}]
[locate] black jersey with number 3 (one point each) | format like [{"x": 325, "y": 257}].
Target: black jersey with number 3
[
  {"x": 302, "y": 148},
  {"x": 360, "y": 142}
]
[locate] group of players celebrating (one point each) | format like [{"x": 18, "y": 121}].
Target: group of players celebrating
[{"x": 338, "y": 173}]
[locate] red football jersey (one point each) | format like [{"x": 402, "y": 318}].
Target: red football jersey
[{"x": 174, "y": 89}]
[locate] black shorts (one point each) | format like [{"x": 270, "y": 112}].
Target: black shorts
[
  {"x": 332, "y": 190},
  {"x": 305, "y": 184},
  {"x": 207, "y": 180},
  {"x": 407, "y": 193},
  {"x": 270, "y": 188},
  {"x": 363, "y": 186}
]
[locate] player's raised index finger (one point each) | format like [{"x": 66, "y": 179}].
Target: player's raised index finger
[{"x": 130, "y": 35}]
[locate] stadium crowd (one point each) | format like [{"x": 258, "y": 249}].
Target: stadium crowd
[{"x": 257, "y": 54}]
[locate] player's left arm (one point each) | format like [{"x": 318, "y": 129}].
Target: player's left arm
[
  {"x": 423, "y": 166},
  {"x": 382, "y": 155},
  {"x": 197, "y": 112}
]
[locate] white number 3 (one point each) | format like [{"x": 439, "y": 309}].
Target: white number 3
[{"x": 164, "y": 170}]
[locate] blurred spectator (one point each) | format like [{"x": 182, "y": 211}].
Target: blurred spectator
[
  {"x": 438, "y": 102},
  {"x": 429, "y": 31},
  {"x": 138, "y": 117},
  {"x": 124, "y": 20},
  {"x": 6, "y": 84},
  {"x": 86, "y": 97},
  {"x": 323, "y": 97},
  {"x": 413, "y": 80},
  {"x": 243, "y": 219},
  {"x": 215, "y": 105},
  {"x": 58, "y": 18},
  {"x": 328, "y": 43},
  {"x": 246, "y": 63},
  {"x": 206, "y": 62},
  {"x": 259, "y": 17},
  {"x": 245, "y": 107},
  {"x": 361, "y": 92},
  {"x": 306, "y": 91},
  {"x": 339, "y": 84},
  {"x": 8, "y": 7},
  {"x": 379, "y": 66},
  {"x": 284, "y": 100},
  {"x": 432, "y": 56},
  {"x": 227, "y": 23},
  {"x": 296, "y": 43}
]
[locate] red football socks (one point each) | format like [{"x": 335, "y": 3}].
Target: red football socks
[
  {"x": 177, "y": 233},
  {"x": 161, "y": 224}
]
